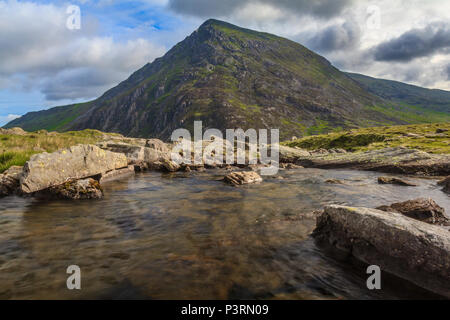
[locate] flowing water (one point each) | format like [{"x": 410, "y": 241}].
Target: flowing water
[{"x": 190, "y": 236}]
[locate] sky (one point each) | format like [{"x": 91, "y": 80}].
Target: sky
[{"x": 49, "y": 57}]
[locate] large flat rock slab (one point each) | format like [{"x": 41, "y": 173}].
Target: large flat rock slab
[
  {"x": 392, "y": 160},
  {"x": 46, "y": 170},
  {"x": 410, "y": 249}
]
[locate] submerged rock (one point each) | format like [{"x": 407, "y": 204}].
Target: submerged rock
[
  {"x": 45, "y": 170},
  {"x": 242, "y": 177},
  {"x": 394, "y": 180},
  {"x": 74, "y": 190},
  {"x": 10, "y": 181},
  {"x": 334, "y": 181},
  {"x": 290, "y": 166},
  {"x": 421, "y": 209},
  {"x": 410, "y": 249}
]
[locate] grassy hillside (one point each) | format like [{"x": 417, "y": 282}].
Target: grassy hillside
[
  {"x": 421, "y": 136},
  {"x": 17, "y": 149},
  {"x": 406, "y": 95}
]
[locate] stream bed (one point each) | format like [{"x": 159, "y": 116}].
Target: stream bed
[{"x": 191, "y": 236}]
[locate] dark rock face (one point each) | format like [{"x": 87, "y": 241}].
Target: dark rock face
[
  {"x": 228, "y": 77},
  {"x": 410, "y": 249},
  {"x": 74, "y": 190},
  {"x": 10, "y": 181},
  {"x": 446, "y": 184},
  {"x": 421, "y": 209},
  {"x": 394, "y": 180}
]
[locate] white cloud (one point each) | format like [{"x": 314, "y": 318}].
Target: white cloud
[
  {"x": 345, "y": 37},
  {"x": 5, "y": 119},
  {"x": 37, "y": 48}
]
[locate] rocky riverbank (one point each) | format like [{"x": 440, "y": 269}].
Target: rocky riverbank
[
  {"x": 410, "y": 240},
  {"x": 118, "y": 156}
]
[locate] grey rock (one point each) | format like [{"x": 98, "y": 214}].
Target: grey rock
[
  {"x": 421, "y": 209},
  {"x": 410, "y": 249},
  {"x": 397, "y": 160},
  {"x": 46, "y": 170},
  {"x": 288, "y": 154}
]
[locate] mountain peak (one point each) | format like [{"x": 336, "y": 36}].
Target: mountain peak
[
  {"x": 214, "y": 27},
  {"x": 227, "y": 77},
  {"x": 217, "y": 24}
]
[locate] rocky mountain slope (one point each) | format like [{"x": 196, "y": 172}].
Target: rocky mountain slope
[{"x": 231, "y": 77}]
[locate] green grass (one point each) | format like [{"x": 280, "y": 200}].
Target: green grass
[
  {"x": 12, "y": 158},
  {"x": 418, "y": 136},
  {"x": 410, "y": 113},
  {"x": 17, "y": 149}
]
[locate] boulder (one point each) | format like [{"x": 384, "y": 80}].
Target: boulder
[
  {"x": 46, "y": 170},
  {"x": 242, "y": 177},
  {"x": 410, "y": 249},
  {"x": 134, "y": 153},
  {"x": 288, "y": 154},
  {"x": 158, "y": 145},
  {"x": 394, "y": 180},
  {"x": 167, "y": 165},
  {"x": 421, "y": 209},
  {"x": 446, "y": 184},
  {"x": 73, "y": 190},
  {"x": 155, "y": 156},
  {"x": 10, "y": 181},
  {"x": 441, "y": 130},
  {"x": 15, "y": 130}
]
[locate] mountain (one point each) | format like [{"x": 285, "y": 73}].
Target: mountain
[
  {"x": 398, "y": 92},
  {"x": 231, "y": 77}
]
